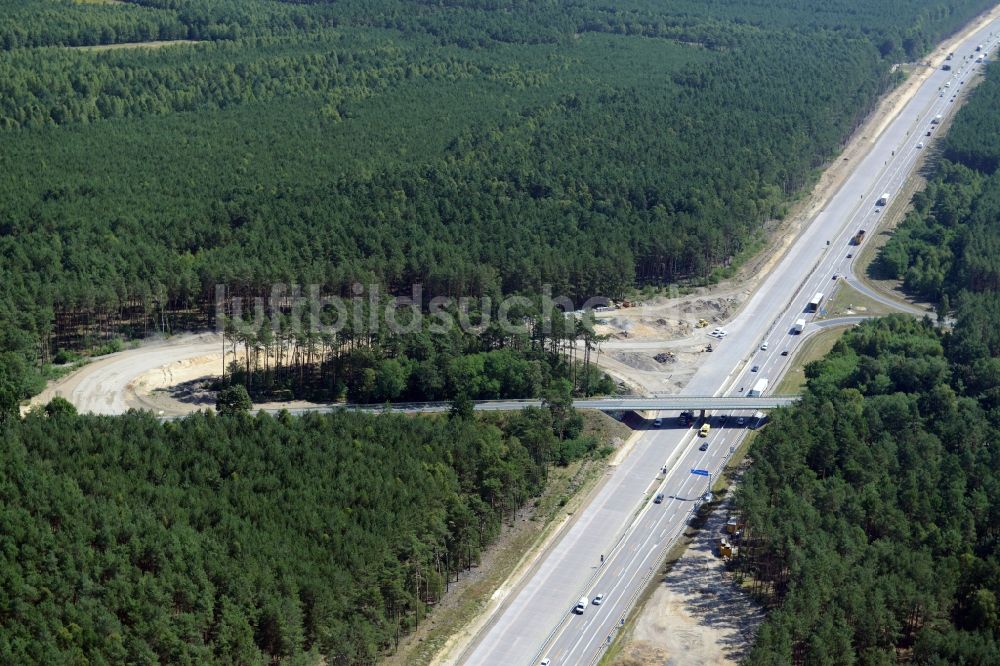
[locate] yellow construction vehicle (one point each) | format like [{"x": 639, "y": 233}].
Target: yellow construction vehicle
[
  {"x": 733, "y": 525},
  {"x": 702, "y": 323}
]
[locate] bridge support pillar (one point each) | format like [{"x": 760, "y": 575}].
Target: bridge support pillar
[{"x": 703, "y": 416}]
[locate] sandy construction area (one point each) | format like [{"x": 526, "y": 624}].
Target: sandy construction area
[
  {"x": 697, "y": 615},
  {"x": 114, "y": 383}
]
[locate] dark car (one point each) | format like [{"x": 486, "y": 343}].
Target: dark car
[
  {"x": 659, "y": 499},
  {"x": 755, "y": 368},
  {"x": 703, "y": 447},
  {"x": 784, "y": 353}
]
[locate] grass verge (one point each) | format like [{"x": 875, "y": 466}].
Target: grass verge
[
  {"x": 814, "y": 348},
  {"x": 848, "y": 302}
]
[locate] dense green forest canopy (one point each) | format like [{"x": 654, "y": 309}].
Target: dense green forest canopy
[
  {"x": 473, "y": 147},
  {"x": 250, "y": 540},
  {"x": 873, "y": 507}
]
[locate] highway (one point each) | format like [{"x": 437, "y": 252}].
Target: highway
[{"x": 621, "y": 521}]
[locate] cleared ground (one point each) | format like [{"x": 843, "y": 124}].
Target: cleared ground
[{"x": 135, "y": 45}]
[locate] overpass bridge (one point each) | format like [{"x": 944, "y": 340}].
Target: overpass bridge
[
  {"x": 685, "y": 402},
  {"x": 666, "y": 402}
]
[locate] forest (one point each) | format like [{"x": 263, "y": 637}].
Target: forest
[
  {"x": 873, "y": 507},
  {"x": 471, "y": 147},
  {"x": 478, "y": 148},
  {"x": 252, "y": 539}
]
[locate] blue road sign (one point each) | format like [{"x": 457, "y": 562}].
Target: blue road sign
[{"x": 701, "y": 472}]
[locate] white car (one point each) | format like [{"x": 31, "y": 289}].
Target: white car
[
  {"x": 763, "y": 347},
  {"x": 598, "y": 600},
  {"x": 920, "y": 145}
]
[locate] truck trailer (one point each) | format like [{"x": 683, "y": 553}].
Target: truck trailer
[
  {"x": 799, "y": 326},
  {"x": 860, "y": 236},
  {"x": 883, "y": 200},
  {"x": 758, "y": 388},
  {"x": 815, "y": 302}
]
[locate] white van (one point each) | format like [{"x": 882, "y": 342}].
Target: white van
[{"x": 581, "y": 606}]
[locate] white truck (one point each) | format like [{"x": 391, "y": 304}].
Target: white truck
[
  {"x": 883, "y": 200},
  {"x": 581, "y": 606},
  {"x": 937, "y": 119},
  {"x": 799, "y": 326},
  {"x": 815, "y": 302},
  {"x": 758, "y": 388}
]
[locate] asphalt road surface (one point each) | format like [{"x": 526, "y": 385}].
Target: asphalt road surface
[{"x": 622, "y": 522}]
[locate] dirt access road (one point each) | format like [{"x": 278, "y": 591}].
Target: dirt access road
[{"x": 115, "y": 383}]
